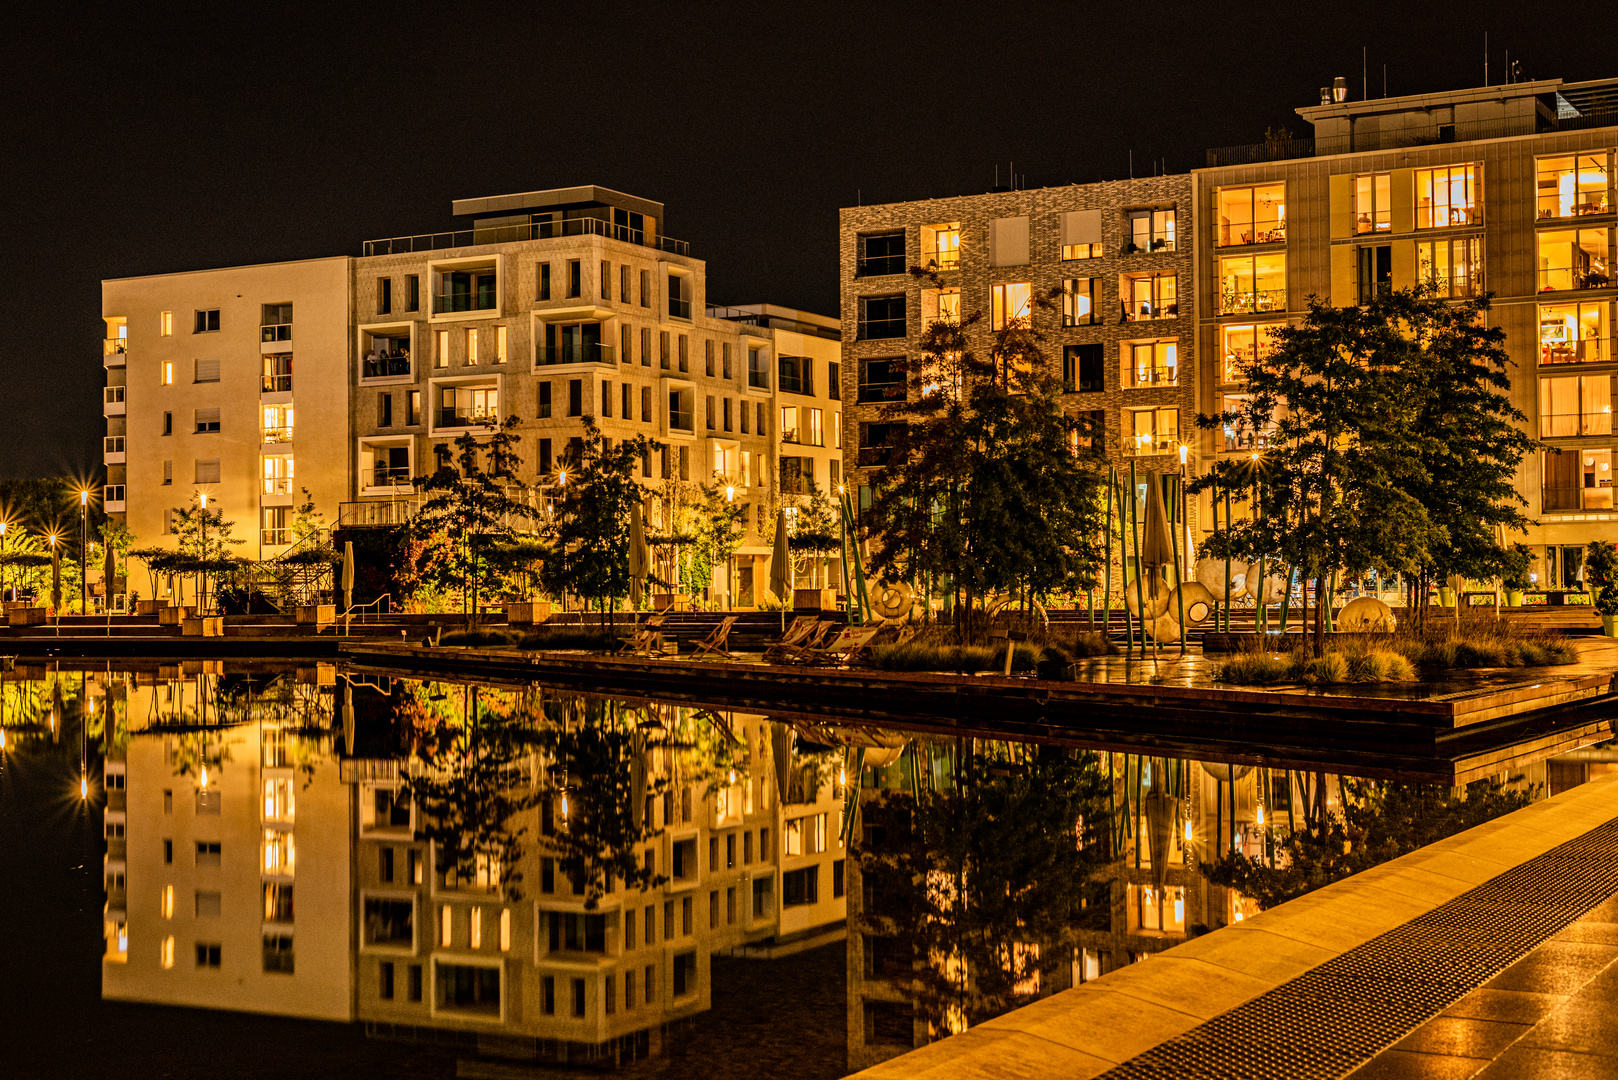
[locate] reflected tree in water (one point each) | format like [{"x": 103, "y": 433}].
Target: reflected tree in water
[
  {"x": 1378, "y": 821},
  {"x": 972, "y": 889}
]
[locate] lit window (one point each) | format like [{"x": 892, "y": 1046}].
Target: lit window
[
  {"x": 1152, "y": 431},
  {"x": 1151, "y": 363},
  {"x": 279, "y": 797},
  {"x": 279, "y": 852},
  {"x": 1452, "y": 267},
  {"x": 442, "y": 357},
  {"x": 1012, "y": 305},
  {"x": 277, "y": 421},
  {"x": 1151, "y": 230},
  {"x": 477, "y": 928},
  {"x": 168, "y": 373},
  {"x": 1373, "y": 196},
  {"x": 166, "y": 954},
  {"x": 1149, "y": 296},
  {"x": 278, "y": 474},
  {"x": 166, "y": 905},
  {"x": 1241, "y": 345},
  {"x": 444, "y": 926},
  {"x": 505, "y": 930},
  {"x": 471, "y": 346},
  {"x": 1577, "y": 480},
  {"x": 1575, "y": 405},
  {"x": 165, "y": 323},
  {"x": 1256, "y": 214},
  {"x": 1446, "y": 197},
  {"x": 1573, "y": 333},
  {"x": 1254, "y": 283},
  {"x": 1573, "y": 186},
  {"x": 1574, "y": 259},
  {"x": 499, "y": 344},
  {"x": 1079, "y": 302},
  {"x": 941, "y": 246}
]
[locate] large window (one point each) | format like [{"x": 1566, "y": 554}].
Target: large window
[
  {"x": 797, "y": 374},
  {"x": 941, "y": 246},
  {"x": 1573, "y": 405},
  {"x": 1252, "y": 283},
  {"x": 1574, "y": 333},
  {"x": 881, "y": 253},
  {"x": 1151, "y": 363},
  {"x": 1149, "y": 296},
  {"x": 1084, "y": 369},
  {"x": 879, "y": 442},
  {"x": 1256, "y": 214},
  {"x": 803, "y": 425},
  {"x": 1447, "y": 197},
  {"x": 1577, "y": 480},
  {"x": 799, "y": 887},
  {"x": 1573, "y": 186},
  {"x": 1240, "y": 345},
  {"x": 882, "y": 317},
  {"x": 1151, "y": 230},
  {"x": 1574, "y": 259},
  {"x": 1012, "y": 305},
  {"x": 1373, "y": 271},
  {"x": 1079, "y": 302},
  {"x": 277, "y": 322},
  {"x": 1151, "y": 431},
  {"x": 1452, "y": 267},
  {"x": 1238, "y": 434},
  {"x": 882, "y": 380},
  {"x": 467, "y": 406},
  {"x": 758, "y": 372},
  {"x": 1373, "y": 198}
]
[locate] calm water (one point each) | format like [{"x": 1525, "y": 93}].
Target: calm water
[{"x": 308, "y": 873}]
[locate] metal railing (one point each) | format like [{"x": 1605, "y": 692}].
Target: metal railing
[
  {"x": 456, "y": 418},
  {"x": 532, "y": 230},
  {"x": 678, "y": 308},
  {"x": 275, "y": 332},
  {"x": 277, "y": 384},
  {"x": 276, "y": 537},
  {"x": 1567, "y": 425},
  {"x": 472, "y": 300},
  {"x": 1553, "y": 499},
  {"x": 377, "y": 514},
  {"x": 1236, "y": 235},
  {"x": 1582, "y": 351},
  {"x": 1252, "y": 300},
  {"x": 278, "y": 434},
  {"x": 880, "y": 392},
  {"x": 588, "y": 353},
  {"x": 1163, "y": 442},
  {"x": 386, "y": 365},
  {"x": 1140, "y": 310},
  {"x": 1252, "y": 153},
  {"x": 1578, "y": 205},
  {"x": 384, "y": 476},
  {"x": 278, "y": 485},
  {"x": 880, "y": 265},
  {"x": 1564, "y": 277},
  {"x": 881, "y": 328},
  {"x": 114, "y": 346}
]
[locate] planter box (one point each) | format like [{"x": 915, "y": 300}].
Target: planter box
[
  {"x": 814, "y": 600},
  {"x": 204, "y": 626},
  {"x": 318, "y": 615},
  {"x": 174, "y": 616},
  {"x": 670, "y": 602},
  {"x": 150, "y": 607},
  {"x": 528, "y": 611},
  {"x": 26, "y": 616}
]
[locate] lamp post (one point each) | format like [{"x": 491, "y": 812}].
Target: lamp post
[
  {"x": 84, "y": 551},
  {"x": 202, "y": 583},
  {"x": 4, "y": 575}
]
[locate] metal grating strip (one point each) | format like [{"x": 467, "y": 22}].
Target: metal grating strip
[{"x": 1331, "y": 1020}]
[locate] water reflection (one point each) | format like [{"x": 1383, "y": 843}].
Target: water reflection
[{"x": 550, "y": 875}]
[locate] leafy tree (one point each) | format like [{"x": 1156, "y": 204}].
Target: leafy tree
[
  {"x": 718, "y": 527},
  {"x": 589, "y": 530},
  {"x": 976, "y": 889},
  {"x": 472, "y": 498},
  {"x": 989, "y": 484},
  {"x": 1335, "y": 480},
  {"x": 1380, "y": 821},
  {"x": 204, "y": 543},
  {"x": 1601, "y": 567},
  {"x": 307, "y": 521}
]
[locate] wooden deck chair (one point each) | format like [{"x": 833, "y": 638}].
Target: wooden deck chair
[
  {"x": 823, "y": 631},
  {"x": 792, "y": 640},
  {"x": 645, "y": 640},
  {"x": 842, "y": 648},
  {"x": 715, "y": 644}
]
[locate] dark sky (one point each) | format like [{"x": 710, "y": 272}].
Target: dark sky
[{"x": 147, "y": 138}]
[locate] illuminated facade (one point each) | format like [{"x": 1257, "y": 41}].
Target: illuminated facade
[{"x": 1502, "y": 189}]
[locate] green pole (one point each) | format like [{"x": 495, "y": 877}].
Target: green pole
[
  {"x": 1106, "y": 615},
  {"x": 1174, "y": 541},
  {"x": 1261, "y": 612},
  {"x": 1227, "y": 559},
  {"x": 1134, "y": 532}
]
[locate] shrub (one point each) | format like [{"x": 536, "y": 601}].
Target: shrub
[
  {"x": 570, "y": 637},
  {"x": 1255, "y": 669},
  {"x": 486, "y": 638},
  {"x": 924, "y": 656},
  {"x": 1331, "y": 668},
  {"x": 1087, "y": 644}
]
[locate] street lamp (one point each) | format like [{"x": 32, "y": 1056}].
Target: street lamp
[
  {"x": 202, "y": 590},
  {"x": 84, "y": 551}
]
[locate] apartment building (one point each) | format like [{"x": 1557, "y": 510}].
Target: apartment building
[
  {"x": 1502, "y": 189},
  {"x": 201, "y": 397},
  {"x": 1119, "y": 252},
  {"x": 551, "y": 306},
  {"x": 227, "y": 859}
]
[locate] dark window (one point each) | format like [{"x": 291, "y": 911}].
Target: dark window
[
  {"x": 685, "y": 353},
  {"x": 606, "y": 399},
  {"x": 384, "y": 300},
  {"x": 575, "y": 397},
  {"x": 578, "y": 997},
  {"x": 626, "y": 401},
  {"x": 207, "y": 954},
  {"x": 606, "y": 280},
  {"x": 889, "y": 1022},
  {"x": 882, "y": 380},
  {"x": 384, "y": 870},
  {"x": 1375, "y": 272},
  {"x": 646, "y": 404},
  {"x": 415, "y": 982},
  {"x": 685, "y": 974},
  {"x": 385, "y": 410},
  {"x": 389, "y": 922},
  {"x": 797, "y": 374},
  {"x": 414, "y": 292},
  {"x": 758, "y": 375},
  {"x": 724, "y": 361},
  {"x": 727, "y": 413},
  {"x": 646, "y": 346},
  {"x": 545, "y": 281},
  {"x": 834, "y": 381},
  {"x": 548, "y": 995},
  {"x": 168, "y": 851},
  {"x": 469, "y": 988},
  {"x": 645, "y": 288},
  {"x": 168, "y": 423},
  {"x": 679, "y": 296},
  {"x": 544, "y": 456},
  {"x": 278, "y": 955},
  {"x": 882, "y": 317},
  {"x": 837, "y": 878},
  {"x": 879, "y": 442},
  {"x": 544, "y": 401},
  {"x": 707, "y": 359},
  {"x": 575, "y": 279},
  {"x": 1083, "y": 368},
  {"x": 276, "y": 322},
  {"x": 881, "y": 253},
  {"x": 386, "y": 989},
  {"x": 799, "y": 887},
  {"x": 206, "y": 321}
]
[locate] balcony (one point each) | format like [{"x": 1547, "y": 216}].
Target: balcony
[
  {"x": 482, "y": 299},
  {"x": 113, "y": 351},
  {"x": 1251, "y": 301},
  {"x": 377, "y": 515},
  {"x": 455, "y": 418},
  {"x": 276, "y": 384},
  {"x": 275, "y": 537},
  {"x": 386, "y": 365},
  {"x": 1581, "y": 351},
  {"x": 1148, "y": 444},
  {"x": 112, "y": 450},
  {"x": 278, "y": 434},
  {"x": 112, "y": 498},
  {"x": 678, "y": 308},
  {"x": 1144, "y": 310},
  {"x": 588, "y": 352},
  {"x": 1596, "y": 420},
  {"x": 112, "y": 401},
  {"x": 385, "y": 476},
  {"x": 278, "y": 485},
  {"x": 536, "y": 230}
]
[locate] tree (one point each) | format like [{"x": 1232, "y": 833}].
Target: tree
[
  {"x": 204, "y": 543},
  {"x": 307, "y": 521},
  {"x": 976, "y": 889},
  {"x": 1342, "y": 448},
  {"x": 718, "y": 526},
  {"x": 470, "y": 501},
  {"x": 988, "y": 484},
  {"x": 589, "y": 529}
]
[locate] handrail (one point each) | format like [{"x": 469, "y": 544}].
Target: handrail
[
  {"x": 532, "y": 230},
  {"x": 360, "y": 609}
]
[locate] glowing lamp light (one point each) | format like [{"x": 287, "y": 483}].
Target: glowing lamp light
[
  {"x": 842, "y": 773},
  {"x": 84, "y": 787},
  {"x": 732, "y": 776},
  {"x": 2, "y": 738},
  {"x": 1188, "y": 832},
  {"x": 202, "y": 778},
  {"x": 204, "y": 498},
  {"x": 1261, "y": 813},
  {"x": 730, "y": 494},
  {"x": 564, "y": 806},
  {"x": 561, "y": 478},
  {"x": 1179, "y": 908},
  {"x": 84, "y": 496},
  {"x": 1255, "y": 455},
  {"x": 1182, "y": 454}
]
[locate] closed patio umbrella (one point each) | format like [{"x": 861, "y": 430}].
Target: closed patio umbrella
[
  {"x": 639, "y": 556},
  {"x": 781, "y": 565},
  {"x": 348, "y": 574},
  {"x": 1157, "y": 546}
]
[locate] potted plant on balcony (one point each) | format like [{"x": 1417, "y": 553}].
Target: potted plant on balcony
[{"x": 1514, "y": 576}]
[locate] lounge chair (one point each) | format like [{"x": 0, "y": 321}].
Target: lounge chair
[
  {"x": 795, "y": 637},
  {"x": 647, "y": 638},
  {"x": 715, "y": 643},
  {"x": 842, "y": 648}
]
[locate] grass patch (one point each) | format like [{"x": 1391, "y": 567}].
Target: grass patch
[
  {"x": 928, "y": 656},
  {"x": 1255, "y": 669},
  {"x": 485, "y": 638},
  {"x": 572, "y": 637},
  {"x": 1496, "y": 652},
  {"x": 1354, "y": 665}
]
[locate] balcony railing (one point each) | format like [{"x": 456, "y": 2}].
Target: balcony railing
[
  {"x": 1573, "y": 424},
  {"x": 880, "y": 392},
  {"x": 276, "y": 537},
  {"x": 112, "y": 401},
  {"x": 1582, "y": 351},
  {"x": 1251, "y": 154},
  {"x": 377, "y": 514},
  {"x": 875, "y": 457},
  {"x": 1563, "y": 277},
  {"x": 113, "y": 350},
  {"x": 682, "y": 421},
  {"x": 478, "y": 300},
  {"x": 388, "y": 477},
  {"x": 535, "y": 230},
  {"x": 1575, "y": 498},
  {"x": 1139, "y": 310},
  {"x": 1233, "y": 301},
  {"x": 1552, "y": 207},
  {"x": 587, "y": 353},
  {"x": 881, "y": 328},
  {"x": 449, "y": 418},
  {"x": 386, "y": 365},
  {"x": 679, "y": 309},
  {"x": 880, "y": 265},
  {"x": 278, "y": 485},
  {"x": 275, "y": 332},
  {"x": 1154, "y": 376},
  {"x": 278, "y": 434},
  {"x": 1241, "y": 234},
  {"x": 277, "y": 384},
  {"x": 1163, "y": 442},
  {"x": 1242, "y": 437}
]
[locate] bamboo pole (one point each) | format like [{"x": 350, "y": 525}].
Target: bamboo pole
[
  {"x": 1228, "y": 522},
  {"x": 1106, "y": 615},
  {"x": 1261, "y": 610},
  {"x": 1134, "y": 532},
  {"x": 1174, "y": 542}
]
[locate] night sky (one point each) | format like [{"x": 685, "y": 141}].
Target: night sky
[{"x": 144, "y": 138}]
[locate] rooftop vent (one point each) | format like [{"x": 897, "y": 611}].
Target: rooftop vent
[{"x": 1339, "y": 90}]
